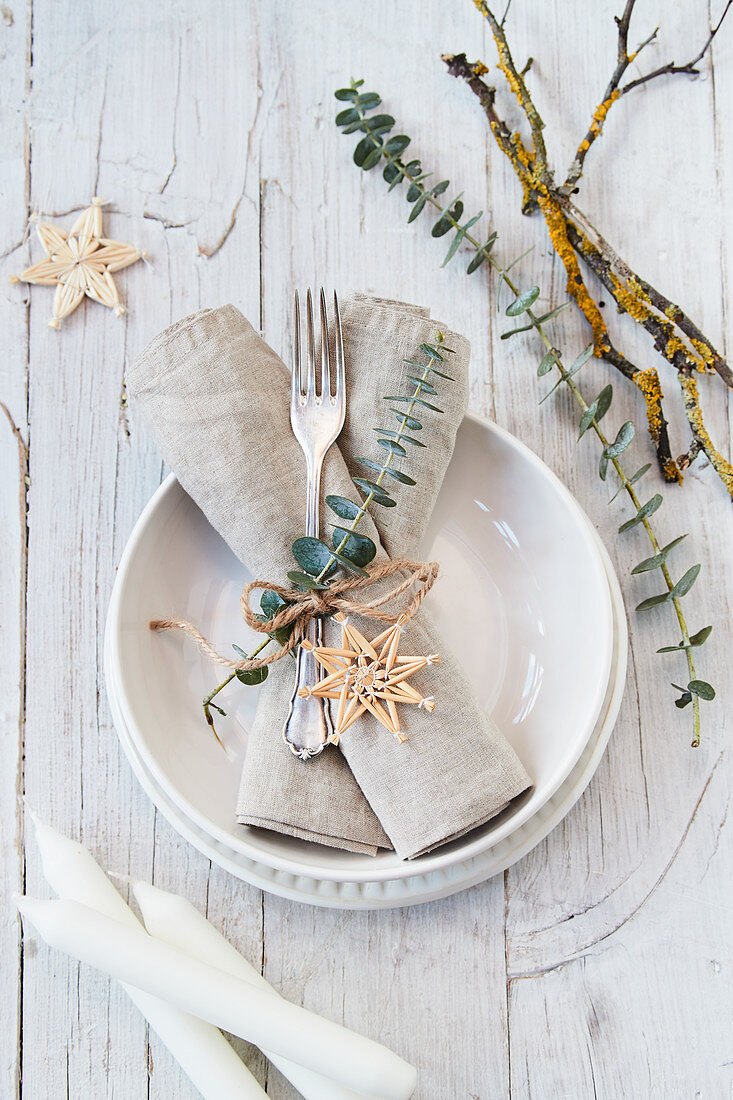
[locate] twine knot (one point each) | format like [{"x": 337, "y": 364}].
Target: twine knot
[{"x": 302, "y": 605}]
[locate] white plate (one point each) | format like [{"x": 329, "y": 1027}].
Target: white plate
[
  {"x": 416, "y": 888},
  {"x": 523, "y": 600}
]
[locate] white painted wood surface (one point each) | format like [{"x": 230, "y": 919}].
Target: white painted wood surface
[{"x": 599, "y": 965}]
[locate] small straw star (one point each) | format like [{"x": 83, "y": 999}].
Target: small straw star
[
  {"x": 80, "y": 264},
  {"x": 369, "y": 677}
]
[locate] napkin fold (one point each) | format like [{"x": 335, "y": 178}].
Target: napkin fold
[{"x": 217, "y": 398}]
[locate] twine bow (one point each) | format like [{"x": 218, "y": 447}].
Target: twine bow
[{"x": 302, "y": 606}]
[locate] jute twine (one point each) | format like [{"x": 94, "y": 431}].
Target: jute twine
[{"x": 302, "y": 606}]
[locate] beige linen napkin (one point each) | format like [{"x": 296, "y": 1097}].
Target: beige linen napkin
[{"x": 218, "y": 400}]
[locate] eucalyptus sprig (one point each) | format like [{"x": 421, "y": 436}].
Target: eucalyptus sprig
[
  {"x": 377, "y": 147},
  {"x": 350, "y": 550}
]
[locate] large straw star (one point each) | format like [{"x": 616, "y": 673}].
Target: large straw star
[
  {"x": 366, "y": 678},
  {"x": 80, "y": 264}
]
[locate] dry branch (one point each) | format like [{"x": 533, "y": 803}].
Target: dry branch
[{"x": 678, "y": 340}]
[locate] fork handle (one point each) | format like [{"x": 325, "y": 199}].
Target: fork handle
[{"x": 308, "y": 725}]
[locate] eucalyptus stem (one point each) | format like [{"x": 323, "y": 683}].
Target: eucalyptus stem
[
  {"x": 676, "y": 603},
  {"x": 207, "y": 702},
  {"x": 387, "y": 463},
  {"x": 376, "y": 146}
]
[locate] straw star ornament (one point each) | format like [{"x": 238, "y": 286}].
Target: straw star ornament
[
  {"x": 80, "y": 264},
  {"x": 368, "y": 677}
]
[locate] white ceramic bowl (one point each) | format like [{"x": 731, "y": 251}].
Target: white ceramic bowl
[
  {"x": 523, "y": 600},
  {"x": 416, "y": 888}
]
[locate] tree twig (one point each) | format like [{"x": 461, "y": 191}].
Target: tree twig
[
  {"x": 574, "y": 238},
  {"x": 614, "y": 91}
]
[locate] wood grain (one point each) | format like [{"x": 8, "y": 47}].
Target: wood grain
[{"x": 599, "y": 965}]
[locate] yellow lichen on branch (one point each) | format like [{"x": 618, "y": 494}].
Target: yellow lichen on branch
[
  {"x": 557, "y": 228},
  {"x": 691, "y": 401},
  {"x": 647, "y": 382},
  {"x": 599, "y": 117}
]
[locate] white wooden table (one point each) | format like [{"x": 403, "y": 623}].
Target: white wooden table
[{"x": 599, "y": 965}]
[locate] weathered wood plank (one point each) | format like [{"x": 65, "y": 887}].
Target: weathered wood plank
[
  {"x": 14, "y": 184},
  {"x": 222, "y": 160}
]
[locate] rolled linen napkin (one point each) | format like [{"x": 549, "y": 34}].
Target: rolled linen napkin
[{"x": 218, "y": 400}]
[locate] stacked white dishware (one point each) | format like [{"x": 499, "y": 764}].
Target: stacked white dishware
[{"x": 515, "y": 549}]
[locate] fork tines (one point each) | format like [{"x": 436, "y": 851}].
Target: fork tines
[{"x": 308, "y": 388}]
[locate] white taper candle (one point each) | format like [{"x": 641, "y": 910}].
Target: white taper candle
[
  {"x": 174, "y": 919},
  {"x": 231, "y": 1004},
  {"x": 200, "y": 1049}
]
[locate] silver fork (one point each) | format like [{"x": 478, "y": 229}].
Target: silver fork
[{"x": 316, "y": 417}]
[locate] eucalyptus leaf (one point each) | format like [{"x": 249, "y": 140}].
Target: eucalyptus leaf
[
  {"x": 380, "y": 496},
  {"x": 271, "y": 602},
  {"x": 431, "y": 352},
  {"x": 603, "y": 401},
  {"x": 685, "y": 583},
  {"x": 390, "y": 471},
  {"x": 547, "y": 362},
  {"x": 391, "y": 173},
  {"x": 515, "y": 331},
  {"x": 346, "y": 94},
  {"x": 552, "y": 313},
  {"x": 396, "y": 145},
  {"x": 371, "y": 159},
  {"x": 371, "y": 464},
  {"x": 587, "y": 419},
  {"x": 413, "y": 401},
  {"x": 409, "y": 421},
  {"x": 695, "y": 640},
  {"x": 701, "y": 688},
  {"x": 379, "y": 124},
  {"x": 311, "y": 554},
  {"x": 359, "y": 549},
  {"x": 524, "y": 302},
  {"x": 632, "y": 480},
  {"x": 392, "y": 447},
  {"x": 252, "y": 676},
  {"x": 364, "y": 149},
  {"x": 482, "y": 254},
  {"x": 671, "y": 545},
  {"x": 304, "y": 581},
  {"x": 400, "y": 437},
  {"x": 418, "y": 206},
  {"x": 457, "y": 210},
  {"x": 441, "y": 227},
  {"x": 644, "y": 512},
  {"x": 440, "y": 188},
  {"x": 653, "y": 601},
  {"x": 454, "y": 246},
  {"x": 550, "y": 392},
  {"x": 343, "y": 118},
  {"x": 424, "y": 384},
  {"x": 658, "y": 559},
  {"x": 683, "y": 700},
  {"x": 343, "y": 507},
  {"x": 400, "y": 476},
  {"x": 622, "y": 440},
  {"x": 649, "y": 563},
  {"x": 580, "y": 361}
]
